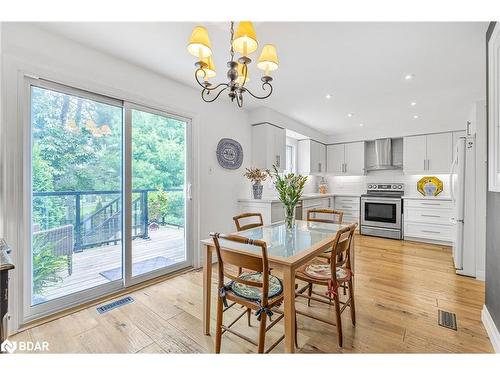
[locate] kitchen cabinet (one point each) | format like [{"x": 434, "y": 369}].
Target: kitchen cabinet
[
  {"x": 311, "y": 156},
  {"x": 428, "y": 154},
  {"x": 309, "y": 204},
  {"x": 349, "y": 205},
  {"x": 268, "y": 146},
  {"x": 271, "y": 211},
  {"x": 346, "y": 158},
  {"x": 429, "y": 220}
]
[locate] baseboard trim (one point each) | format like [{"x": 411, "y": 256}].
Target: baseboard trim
[
  {"x": 481, "y": 275},
  {"x": 491, "y": 329}
]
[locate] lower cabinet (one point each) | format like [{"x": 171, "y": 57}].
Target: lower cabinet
[
  {"x": 271, "y": 211},
  {"x": 349, "y": 205},
  {"x": 429, "y": 220},
  {"x": 309, "y": 204}
]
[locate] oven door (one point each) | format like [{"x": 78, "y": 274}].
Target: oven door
[{"x": 381, "y": 212}]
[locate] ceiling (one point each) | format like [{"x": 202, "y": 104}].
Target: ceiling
[{"x": 361, "y": 65}]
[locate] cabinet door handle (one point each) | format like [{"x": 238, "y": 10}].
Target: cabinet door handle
[
  {"x": 278, "y": 161},
  {"x": 319, "y": 167},
  {"x": 430, "y": 204},
  {"x": 430, "y": 231},
  {"x": 430, "y": 215}
]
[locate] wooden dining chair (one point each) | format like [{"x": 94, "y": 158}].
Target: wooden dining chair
[
  {"x": 238, "y": 220},
  {"x": 332, "y": 216},
  {"x": 242, "y": 218},
  {"x": 330, "y": 274},
  {"x": 256, "y": 290}
]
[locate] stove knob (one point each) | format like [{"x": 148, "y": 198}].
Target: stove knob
[
  {"x": 394, "y": 186},
  {"x": 400, "y": 186},
  {"x": 370, "y": 186}
]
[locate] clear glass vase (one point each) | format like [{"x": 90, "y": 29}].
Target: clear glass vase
[{"x": 289, "y": 216}]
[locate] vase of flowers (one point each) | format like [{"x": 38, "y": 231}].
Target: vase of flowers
[
  {"x": 290, "y": 187},
  {"x": 257, "y": 176}
]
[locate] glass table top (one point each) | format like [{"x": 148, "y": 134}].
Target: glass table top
[{"x": 286, "y": 243}]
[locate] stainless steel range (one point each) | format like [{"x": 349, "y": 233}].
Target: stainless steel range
[{"x": 382, "y": 211}]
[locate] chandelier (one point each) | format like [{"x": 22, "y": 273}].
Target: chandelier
[{"x": 244, "y": 42}]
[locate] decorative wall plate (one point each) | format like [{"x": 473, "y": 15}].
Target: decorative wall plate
[
  {"x": 229, "y": 153},
  {"x": 430, "y": 186}
]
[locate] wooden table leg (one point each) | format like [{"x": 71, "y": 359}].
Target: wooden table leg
[
  {"x": 207, "y": 288},
  {"x": 289, "y": 308}
]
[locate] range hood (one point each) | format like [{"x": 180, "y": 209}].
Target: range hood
[{"x": 385, "y": 153}]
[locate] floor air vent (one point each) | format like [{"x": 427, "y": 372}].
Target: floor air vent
[
  {"x": 447, "y": 319},
  {"x": 113, "y": 305}
]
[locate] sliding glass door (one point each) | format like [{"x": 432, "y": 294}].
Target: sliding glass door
[
  {"x": 90, "y": 156},
  {"x": 158, "y": 190}
]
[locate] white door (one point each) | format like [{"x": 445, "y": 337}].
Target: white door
[
  {"x": 415, "y": 154},
  {"x": 439, "y": 152},
  {"x": 455, "y": 137},
  {"x": 355, "y": 158},
  {"x": 335, "y": 158}
]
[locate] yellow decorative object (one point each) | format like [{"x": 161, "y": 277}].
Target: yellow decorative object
[
  {"x": 268, "y": 60},
  {"x": 430, "y": 186},
  {"x": 209, "y": 70},
  {"x": 199, "y": 43},
  {"x": 245, "y": 40}
]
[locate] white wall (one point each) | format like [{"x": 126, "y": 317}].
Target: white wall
[{"x": 28, "y": 49}]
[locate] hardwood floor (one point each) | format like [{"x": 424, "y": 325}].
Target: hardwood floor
[{"x": 399, "y": 288}]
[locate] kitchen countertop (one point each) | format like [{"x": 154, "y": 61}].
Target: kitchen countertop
[
  {"x": 438, "y": 198},
  {"x": 304, "y": 197}
]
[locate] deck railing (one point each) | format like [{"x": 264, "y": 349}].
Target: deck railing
[{"x": 101, "y": 226}]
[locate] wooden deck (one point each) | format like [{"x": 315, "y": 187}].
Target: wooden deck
[{"x": 167, "y": 242}]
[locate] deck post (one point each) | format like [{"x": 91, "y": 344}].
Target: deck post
[{"x": 78, "y": 224}]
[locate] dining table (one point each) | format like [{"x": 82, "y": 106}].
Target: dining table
[{"x": 288, "y": 249}]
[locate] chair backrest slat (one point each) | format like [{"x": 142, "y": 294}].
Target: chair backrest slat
[
  {"x": 334, "y": 216},
  {"x": 341, "y": 248},
  {"x": 238, "y": 220},
  {"x": 238, "y": 259}
]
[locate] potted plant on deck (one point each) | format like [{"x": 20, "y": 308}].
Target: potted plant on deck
[
  {"x": 257, "y": 176},
  {"x": 290, "y": 187}
]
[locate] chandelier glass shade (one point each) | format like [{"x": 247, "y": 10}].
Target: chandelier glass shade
[{"x": 244, "y": 42}]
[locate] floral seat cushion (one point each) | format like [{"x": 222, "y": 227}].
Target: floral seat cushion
[
  {"x": 255, "y": 293},
  {"x": 322, "y": 271}
]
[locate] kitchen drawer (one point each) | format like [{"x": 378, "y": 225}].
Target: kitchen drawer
[
  {"x": 316, "y": 203},
  {"x": 428, "y": 215},
  {"x": 430, "y": 231},
  {"x": 347, "y": 200},
  {"x": 427, "y": 203}
]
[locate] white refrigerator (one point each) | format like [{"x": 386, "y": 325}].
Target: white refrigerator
[{"x": 463, "y": 193}]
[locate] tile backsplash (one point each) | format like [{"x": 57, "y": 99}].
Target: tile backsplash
[{"x": 357, "y": 184}]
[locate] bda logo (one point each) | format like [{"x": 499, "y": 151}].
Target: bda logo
[{"x": 8, "y": 346}]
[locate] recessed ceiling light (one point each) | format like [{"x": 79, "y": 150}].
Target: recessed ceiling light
[
  {"x": 415, "y": 116},
  {"x": 409, "y": 77},
  {"x": 361, "y": 124},
  {"x": 413, "y": 104},
  {"x": 328, "y": 96},
  {"x": 350, "y": 114}
]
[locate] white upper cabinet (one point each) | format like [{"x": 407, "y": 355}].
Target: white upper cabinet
[
  {"x": 355, "y": 158},
  {"x": 346, "y": 158},
  {"x": 439, "y": 152},
  {"x": 268, "y": 146},
  {"x": 311, "y": 156},
  {"x": 424, "y": 154},
  {"x": 415, "y": 154},
  {"x": 335, "y": 158}
]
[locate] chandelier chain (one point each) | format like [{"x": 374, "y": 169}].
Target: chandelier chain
[{"x": 231, "y": 41}]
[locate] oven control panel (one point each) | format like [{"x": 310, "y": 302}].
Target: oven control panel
[{"x": 397, "y": 187}]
